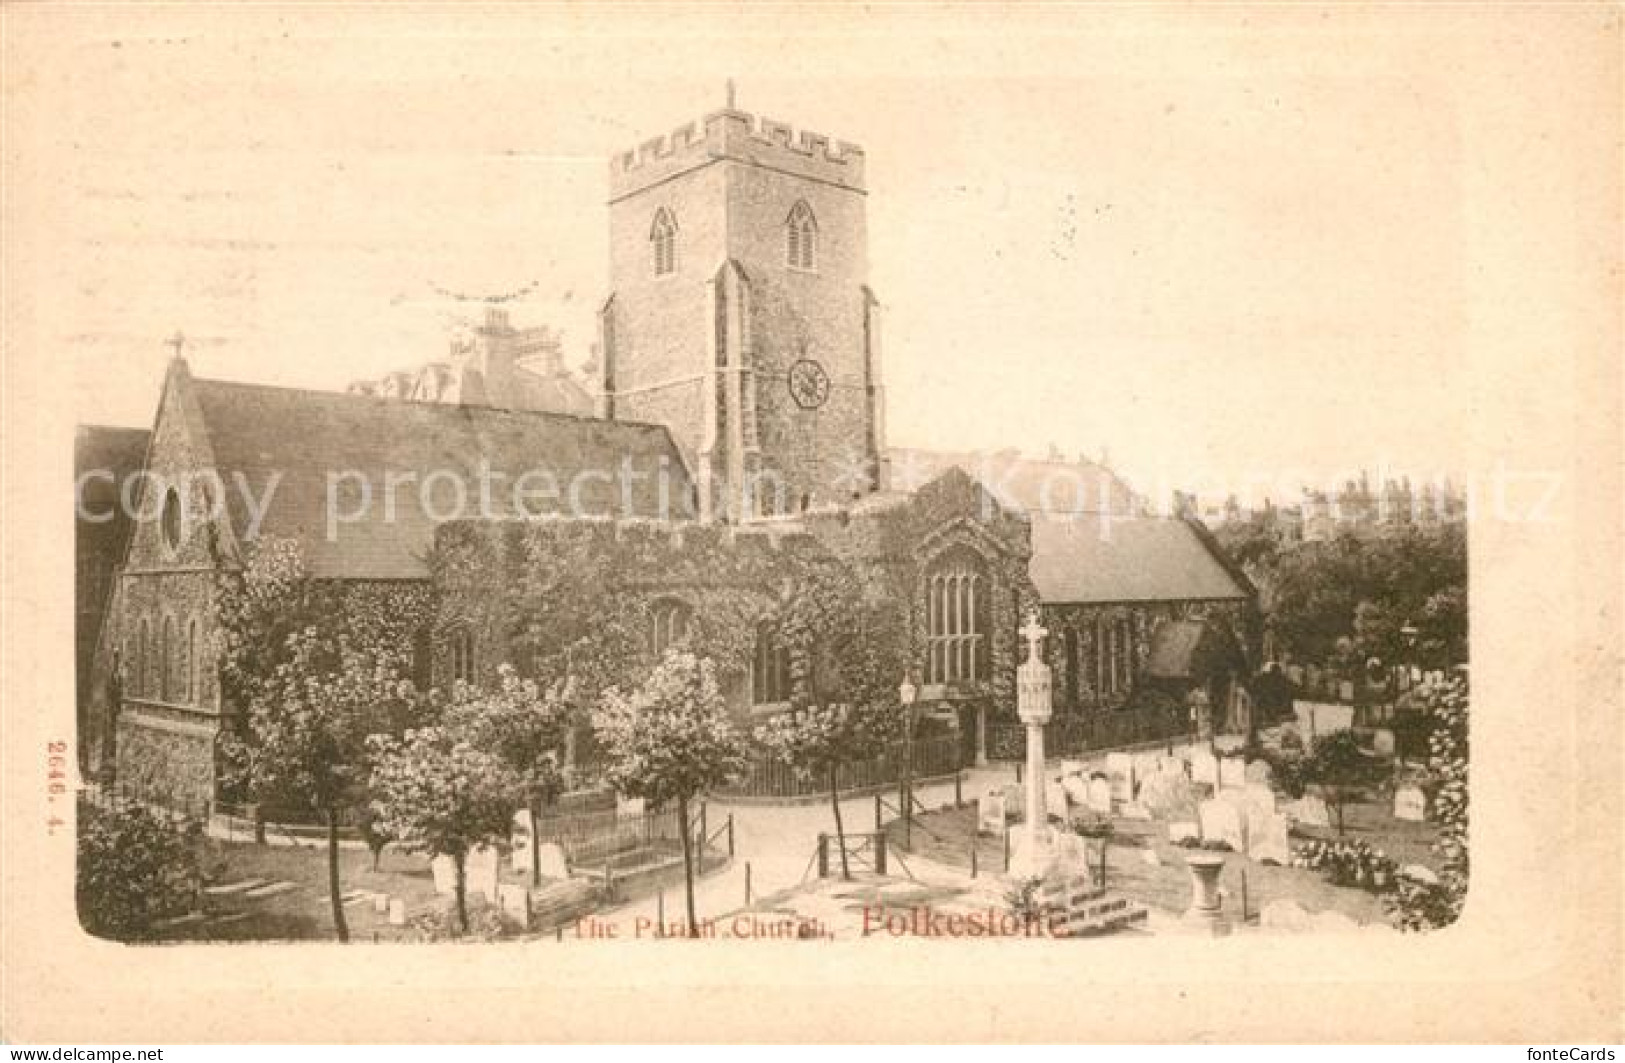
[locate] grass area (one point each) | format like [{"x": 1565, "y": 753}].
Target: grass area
[
  {"x": 305, "y": 913},
  {"x": 947, "y": 837}
]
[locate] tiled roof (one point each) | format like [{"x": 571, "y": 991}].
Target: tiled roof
[
  {"x": 1029, "y": 485},
  {"x": 1125, "y": 559},
  {"x": 313, "y": 438}
]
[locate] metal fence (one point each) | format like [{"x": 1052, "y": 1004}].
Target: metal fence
[
  {"x": 768, "y": 777},
  {"x": 596, "y": 838}
]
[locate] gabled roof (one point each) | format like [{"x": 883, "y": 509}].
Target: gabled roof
[
  {"x": 307, "y": 439},
  {"x": 1126, "y": 559},
  {"x": 1030, "y": 485}
]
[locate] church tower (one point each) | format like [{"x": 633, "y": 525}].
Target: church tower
[{"x": 740, "y": 314}]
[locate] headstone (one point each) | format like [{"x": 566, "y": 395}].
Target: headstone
[
  {"x": 1382, "y": 742},
  {"x": 445, "y": 874},
  {"x": 1411, "y": 804},
  {"x": 1259, "y": 773},
  {"x": 1015, "y": 801},
  {"x": 1100, "y": 796},
  {"x": 1073, "y": 767},
  {"x": 1205, "y": 768},
  {"x": 1168, "y": 793},
  {"x": 515, "y": 901},
  {"x": 1151, "y": 858},
  {"x": 1284, "y": 914},
  {"x": 1077, "y": 789},
  {"x": 1055, "y": 799},
  {"x": 380, "y": 903},
  {"x": 990, "y": 817},
  {"x": 553, "y": 862},
  {"x": 1260, "y": 799},
  {"x": 1120, "y": 770},
  {"x": 1345, "y": 690},
  {"x": 397, "y": 911},
  {"x": 1311, "y": 811},
  {"x": 1232, "y": 773},
  {"x": 519, "y": 841},
  {"x": 1134, "y": 810},
  {"x": 1267, "y": 838},
  {"x": 629, "y": 806},
  {"x": 1184, "y": 830},
  {"x": 1221, "y": 822},
  {"x": 481, "y": 867}
]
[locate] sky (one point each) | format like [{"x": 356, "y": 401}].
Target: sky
[{"x": 1216, "y": 250}]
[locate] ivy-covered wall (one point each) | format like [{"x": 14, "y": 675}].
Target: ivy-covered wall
[{"x": 578, "y": 597}]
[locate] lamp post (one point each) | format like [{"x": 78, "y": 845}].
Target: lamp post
[
  {"x": 906, "y": 693},
  {"x": 1033, "y": 705}
]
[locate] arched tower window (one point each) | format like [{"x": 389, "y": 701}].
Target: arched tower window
[
  {"x": 801, "y": 237},
  {"x": 190, "y": 691},
  {"x": 143, "y": 662},
  {"x": 166, "y": 640},
  {"x": 956, "y": 620},
  {"x": 668, "y": 625},
  {"x": 663, "y": 242}
]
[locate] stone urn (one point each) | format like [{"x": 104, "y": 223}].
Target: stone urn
[{"x": 1207, "y": 908}]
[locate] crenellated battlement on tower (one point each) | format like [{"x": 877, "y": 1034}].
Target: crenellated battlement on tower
[{"x": 743, "y": 137}]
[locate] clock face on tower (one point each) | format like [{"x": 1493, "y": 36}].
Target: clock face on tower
[{"x": 809, "y": 384}]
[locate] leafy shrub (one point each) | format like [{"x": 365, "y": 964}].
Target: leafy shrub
[
  {"x": 135, "y": 868},
  {"x": 1428, "y": 905},
  {"x": 440, "y": 923},
  {"x": 1349, "y": 864}
]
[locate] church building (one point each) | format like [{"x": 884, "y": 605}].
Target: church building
[{"x": 737, "y": 424}]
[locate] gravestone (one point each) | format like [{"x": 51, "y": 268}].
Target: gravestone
[
  {"x": 1184, "y": 830},
  {"x": 1205, "y": 768},
  {"x": 1382, "y": 742},
  {"x": 397, "y": 911},
  {"x": 515, "y": 901},
  {"x": 1259, "y": 773},
  {"x": 1100, "y": 795},
  {"x": 990, "y": 813},
  {"x": 1168, "y": 793},
  {"x": 1311, "y": 811},
  {"x": 519, "y": 841},
  {"x": 445, "y": 874},
  {"x": 629, "y": 806},
  {"x": 1134, "y": 810},
  {"x": 1073, "y": 767},
  {"x": 1077, "y": 789},
  {"x": 554, "y": 863},
  {"x": 380, "y": 903},
  {"x": 1232, "y": 773},
  {"x": 481, "y": 868},
  {"x": 1221, "y": 822},
  {"x": 1015, "y": 801},
  {"x": 1267, "y": 837},
  {"x": 1120, "y": 770},
  {"x": 1411, "y": 804},
  {"x": 1055, "y": 799}
]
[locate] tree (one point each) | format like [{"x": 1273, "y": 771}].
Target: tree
[
  {"x": 307, "y": 730},
  {"x": 844, "y": 667},
  {"x": 435, "y": 792},
  {"x": 669, "y": 741},
  {"x": 134, "y": 868},
  {"x": 524, "y": 727},
  {"x": 1420, "y": 905},
  {"x": 1340, "y": 771}
]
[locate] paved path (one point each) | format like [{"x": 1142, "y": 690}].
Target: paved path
[{"x": 777, "y": 843}]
